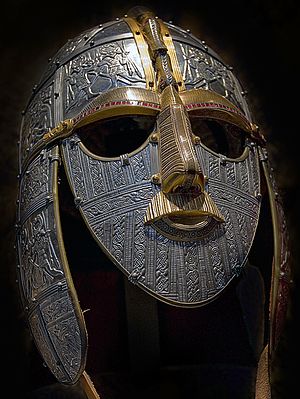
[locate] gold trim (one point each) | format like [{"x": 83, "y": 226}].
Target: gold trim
[
  {"x": 88, "y": 386},
  {"x": 179, "y": 164},
  {"x": 242, "y": 157},
  {"x": 262, "y": 386},
  {"x": 71, "y": 288},
  {"x": 144, "y": 53},
  {"x": 119, "y": 101},
  {"x": 117, "y": 158},
  {"x": 183, "y": 207},
  {"x": 63, "y": 129},
  {"x": 168, "y": 41},
  {"x": 277, "y": 255},
  {"x": 210, "y": 104},
  {"x": 112, "y": 111},
  {"x": 124, "y": 93}
]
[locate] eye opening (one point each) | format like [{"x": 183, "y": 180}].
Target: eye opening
[
  {"x": 118, "y": 135},
  {"x": 219, "y": 136}
]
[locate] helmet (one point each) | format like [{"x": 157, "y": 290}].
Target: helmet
[{"x": 146, "y": 194}]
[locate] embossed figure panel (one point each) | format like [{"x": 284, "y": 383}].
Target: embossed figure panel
[
  {"x": 200, "y": 69},
  {"x": 85, "y": 40},
  {"x": 44, "y": 287},
  {"x": 38, "y": 119},
  {"x": 100, "y": 69}
]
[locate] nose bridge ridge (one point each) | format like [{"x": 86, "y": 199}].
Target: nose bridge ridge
[{"x": 180, "y": 167}]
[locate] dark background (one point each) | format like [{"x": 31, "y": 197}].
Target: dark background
[{"x": 259, "y": 38}]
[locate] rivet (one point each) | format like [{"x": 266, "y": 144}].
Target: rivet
[
  {"x": 222, "y": 160},
  {"x": 258, "y": 196},
  {"x": 77, "y": 201},
  {"x": 73, "y": 143},
  {"x": 154, "y": 138},
  {"x": 155, "y": 179},
  {"x": 125, "y": 160},
  {"x": 196, "y": 140}
]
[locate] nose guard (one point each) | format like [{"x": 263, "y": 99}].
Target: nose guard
[
  {"x": 180, "y": 169},
  {"x": 182, "y": 194}
]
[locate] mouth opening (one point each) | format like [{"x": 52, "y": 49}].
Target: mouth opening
[{"x": 187, "y": 220}]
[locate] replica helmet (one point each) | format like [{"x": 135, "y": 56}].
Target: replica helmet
[{"x": 146, "y": 196}]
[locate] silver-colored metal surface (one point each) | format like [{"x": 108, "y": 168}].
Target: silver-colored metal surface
[
  {"x": 182, "y": 266},
  {"x": 199, "y": 69},
  {"x": 177, "y": 266},
  {"x": 108, "y": 66},
  {"x": 106, "y": 57},
  {"x": 55, "y": 324}
]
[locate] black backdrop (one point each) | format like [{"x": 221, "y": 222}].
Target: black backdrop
[{"x": 259, "y": 38}]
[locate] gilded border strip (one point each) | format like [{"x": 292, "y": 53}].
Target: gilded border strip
[
  {"x": 144, "y": 53},
  {"x": 167, "y": 38}
]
